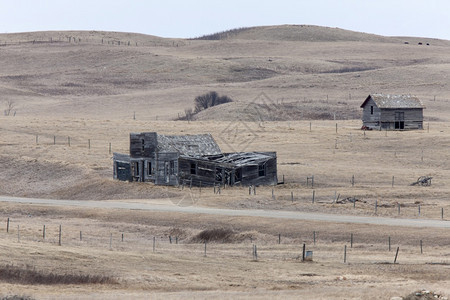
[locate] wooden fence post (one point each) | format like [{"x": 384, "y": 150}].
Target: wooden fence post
[
  {"x": 43, "y": 233},
  {"x": 351, "y": 240},
  {"x": 389, "y": 242},
  {"x": 345, "y": 254},
  {"x": 59, "y": 240},
  {"x": 314, "y": 237},
  {"x": 313, "y": 196},
  {"x": 421, "y": 249},
  {"x": 154, "y": 241},
  {"x": 396, "y": 255},
  {"x": 279, "y": 238},
  {"x": 303, "y": 252},
  {"x": 7, "y": 226},
  {"x": 205, "y": 248}
]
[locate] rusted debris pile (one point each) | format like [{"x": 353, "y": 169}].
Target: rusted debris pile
[
  {"x": 423, "y": 181},
  {"x": 349, "y": 200}
]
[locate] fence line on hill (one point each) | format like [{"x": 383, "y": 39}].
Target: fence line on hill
[{"x": 275, "y": 249}]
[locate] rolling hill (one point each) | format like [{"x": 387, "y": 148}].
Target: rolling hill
[{"x": 310, "y": 68}]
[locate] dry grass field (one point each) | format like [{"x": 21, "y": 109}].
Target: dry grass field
[{"x": 297, "y": 91}]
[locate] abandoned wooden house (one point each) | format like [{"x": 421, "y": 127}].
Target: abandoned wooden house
[
  {"x": 392, "y": 112},
  {"x": 193, "y": 160}
]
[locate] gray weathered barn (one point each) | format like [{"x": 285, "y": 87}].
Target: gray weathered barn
[
  {"x": 191, "y": 159},
  {"x": 392, "y": 112}
]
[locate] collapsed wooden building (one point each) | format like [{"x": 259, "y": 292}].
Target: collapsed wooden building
[
  {"x": 191, "y": 159},
  {"x": 392, "y": 112}
]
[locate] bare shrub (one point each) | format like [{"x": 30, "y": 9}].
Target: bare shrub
[
  {"x": 10, "y": 105},
  {"x": 214, "y": 235},
  {"x": 209, "y": 100},
  {"x": 188, "y": 114}
]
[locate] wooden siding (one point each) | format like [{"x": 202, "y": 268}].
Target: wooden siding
[
  {"x": 196, "y": 172},
  {"x": 122, "y": 171},
  {"x": 167, "y": 169},
  {"x": 146, "y": 164},
  {"x": 252, "y": 176},
  {"x": 143, "y": 144},
  {"x": 368, "y": 116},
  {"x": 386, "y": 118}
]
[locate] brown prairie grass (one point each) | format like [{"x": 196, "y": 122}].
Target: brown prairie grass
[
  {"x": 182, "y": 270},
  {"x": 114, "y": 89}
]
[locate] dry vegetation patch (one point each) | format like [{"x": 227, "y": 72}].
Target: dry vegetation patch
[{"x": 29, "y": 275}]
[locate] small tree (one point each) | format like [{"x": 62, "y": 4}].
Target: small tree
[
  {"x": 209, "y": 100},
  {"x": 10, "y": 105}
]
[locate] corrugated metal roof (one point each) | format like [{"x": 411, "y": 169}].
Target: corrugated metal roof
[
  {"x": 190, "y": 145},
  {"x": 395, "y": 101}
]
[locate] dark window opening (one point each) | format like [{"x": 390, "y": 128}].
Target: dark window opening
[
  {"x": 399, "y": 125},
  {"x": 238, "y": 175},
  {"x": 219, "y": 176},
  {"x": 143, "y": 145},
  {"x": 262, "y": 170},
  {"x": 193, "y": 168},
  {"x": 149, "y": 168},
  {"x": 371, "y": 110},
  {"x": 172, "y": 167},
  {"x": 399, "y": 120},
  {"x": 136, "y": 169}
]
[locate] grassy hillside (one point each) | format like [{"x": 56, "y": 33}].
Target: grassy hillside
[
  {"x": 304, "y": 33},
  {"x": 113, "y": 75}
]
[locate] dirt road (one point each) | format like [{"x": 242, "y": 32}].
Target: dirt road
[{"x": 152, "y": 206}]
